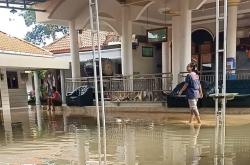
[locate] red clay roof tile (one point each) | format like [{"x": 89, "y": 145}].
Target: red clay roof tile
[
  {"x": 62, "y": 45},
  {"x": 13, "y": 44}
]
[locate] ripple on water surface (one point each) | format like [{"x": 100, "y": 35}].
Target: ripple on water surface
[{"x": 40, "y": 137}]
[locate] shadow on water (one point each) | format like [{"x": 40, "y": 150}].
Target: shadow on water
[{"x": 35, "y": 136}]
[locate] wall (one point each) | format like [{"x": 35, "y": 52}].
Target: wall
[
  {"x": 7, "y": 59},
  {"x": 85, "y": 56},
  {"x": 146, "y": 65},
  {"x": 18, "y": 97}
]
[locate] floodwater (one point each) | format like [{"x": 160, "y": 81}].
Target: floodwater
[{"x": 34, "y": 136}]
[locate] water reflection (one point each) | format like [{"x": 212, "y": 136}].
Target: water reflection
[
  {"x": 82, "y": 141},
  {"x": 68, "y": 137},
  {"x": 194, "y": 152},
  {"x": 7, "y": 125}
]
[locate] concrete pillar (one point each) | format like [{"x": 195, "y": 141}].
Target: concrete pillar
[
  {"x": 4, "y": 89},
  {"x": 29, "y": 84},
  {"x": 166, "y": 65},
  {"x": 181, "y": 37},
  {"x": 5, "y": 105},
  {"x": 176, "y": 46},
  {"x": 232, "y": 31},
  {"x": 186, "y": 30},
  {"x": 166, "y": 57},
  {"x": 126, "y": 42},
  {"x": 37, "y": 88},
  {"x": 62, "y": 78},
  {"x": 74, "y": 50}
]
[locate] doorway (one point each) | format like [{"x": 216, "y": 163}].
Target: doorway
[{"x": 203, "y": 49}]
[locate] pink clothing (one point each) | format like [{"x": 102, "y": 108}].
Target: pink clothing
[{"x": 56, "y": 96}]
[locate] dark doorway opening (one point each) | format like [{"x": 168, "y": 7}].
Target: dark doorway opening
[{"x": 203, "y": 49}]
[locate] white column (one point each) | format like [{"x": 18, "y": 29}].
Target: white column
[
  {"x": 4, "y": 89},
  {"x": 232, "y": 29},
  {"x": 37, "y": 88},
  {"x": 186, "y": 30},
  {"x": 181, "y": 37},
  {"x": 166, "y": 57},
  {"x": 5, "y": 105},
  {"x": 74, "y": 50},
  {"x": 166, "y": 64},
  {"x": 126, "y": 45},
  {"x": 62, "y": 78},
  {"x": 29, "y": 84},
  {"x": 176, "y": 46}
]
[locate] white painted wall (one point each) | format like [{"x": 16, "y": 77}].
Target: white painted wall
[
  {"x": 11, "y": 60},
  {"x": 85, "y": 56},
  {"x": 146, "y": 65}
]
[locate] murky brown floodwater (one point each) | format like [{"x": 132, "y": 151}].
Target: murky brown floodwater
[{"x": 40, "y": 137}]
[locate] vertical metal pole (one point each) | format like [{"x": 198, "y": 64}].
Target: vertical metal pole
[
  {"x": 216, "y": 83},
  {"x": 95, "y": 80},
  {"x": 224, "y": 82},
  {"x": 101, "y": 82},
  {"x": 217, "y": 57},
  {"x": 224, "y": 60},
  {"x": 220, "y": 114}
]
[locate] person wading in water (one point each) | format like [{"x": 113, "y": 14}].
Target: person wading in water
[{"x": 194, "y": 91}]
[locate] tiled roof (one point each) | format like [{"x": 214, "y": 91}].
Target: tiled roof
[
  {"x": 62, "y": 45},
  {"x": 18, "y": 46}
]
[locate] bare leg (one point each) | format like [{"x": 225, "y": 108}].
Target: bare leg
[
  {"x": 49, "y": 103},
  {"x": 198, "y": 119},
  {"x": 53, "y": 106},
  {"x": 197, "y": 116},
  {"x": 191, "y": 116}
]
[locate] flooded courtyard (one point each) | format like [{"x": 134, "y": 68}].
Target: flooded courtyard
[{"x": 36, "y": 136}]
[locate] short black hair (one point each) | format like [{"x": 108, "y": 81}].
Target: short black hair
[{"x": 54, "y": 88}]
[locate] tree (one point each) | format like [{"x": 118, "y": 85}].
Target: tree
[{"x": 40, "y": 32}]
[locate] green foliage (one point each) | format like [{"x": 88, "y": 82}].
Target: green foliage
[
  {"x": 42, "y": 74},
  {"x": 40, "y": 32},
  {"x": 29, "y": 17}
]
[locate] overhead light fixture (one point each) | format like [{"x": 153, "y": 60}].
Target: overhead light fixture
[
  {"x": 169, "y": 12},
  {"x": 13, "y": 11}
]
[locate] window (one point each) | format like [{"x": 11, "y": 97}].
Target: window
[
  {"x": 12, "y": 80},
  {"x": 147, "y": 51}
]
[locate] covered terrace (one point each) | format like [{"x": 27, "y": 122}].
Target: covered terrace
[
  {"x": 18, "y": 59},
  {"x": 183, "y": 19}
]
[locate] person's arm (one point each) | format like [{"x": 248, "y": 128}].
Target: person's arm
[
  {"x": 187, "y": 80},
  {"x": 183, "y": 89},
  {"x": 201, "y": 93}
]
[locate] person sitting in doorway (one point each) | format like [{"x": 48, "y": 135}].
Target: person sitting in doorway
[{"x": 55, "y": 99}]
